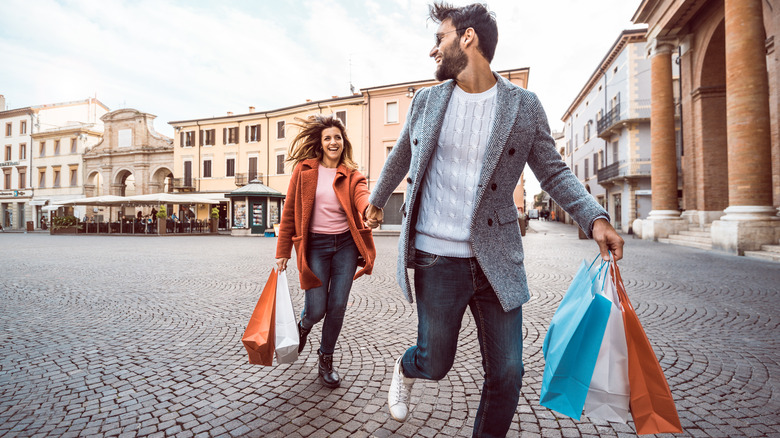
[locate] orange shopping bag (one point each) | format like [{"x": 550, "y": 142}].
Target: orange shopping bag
[
  {"x": 258, "y": 338},
  {"x": 651, "y": 403}
]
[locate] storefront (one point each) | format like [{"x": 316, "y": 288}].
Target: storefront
[{"x": 255, "y": 208}]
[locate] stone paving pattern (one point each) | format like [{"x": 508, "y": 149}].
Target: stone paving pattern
[{"x": 141, "y": 336}]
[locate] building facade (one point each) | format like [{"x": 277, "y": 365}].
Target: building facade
[
  {"x": 130, "y": 159},
  {"x": 36, "y": 171},
  {"x": 729, "y": 82},
  {"x": 607, "y": 131},
  {"x": 220, "y": 154}
]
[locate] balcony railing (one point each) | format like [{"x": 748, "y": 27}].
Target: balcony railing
[
  {"x": 183, "y": 183},
  {"x": 241, "y": 179},
  {"x": 612, "y": 117},
  {"x": 623, "y": 169}
]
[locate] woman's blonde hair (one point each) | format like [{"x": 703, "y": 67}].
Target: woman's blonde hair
[{"x": 308, "y": 143}]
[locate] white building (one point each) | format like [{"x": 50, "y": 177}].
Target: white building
[
  {"x": 42, "y": 156},
  {"x": 607, "y": 131}
]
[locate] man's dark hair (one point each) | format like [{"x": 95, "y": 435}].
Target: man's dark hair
[{"x": 476, "y": 16}]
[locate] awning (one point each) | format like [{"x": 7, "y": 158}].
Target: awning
[
  {"x": 39, "y": 201},
  {"x": 51, "y": 207}
]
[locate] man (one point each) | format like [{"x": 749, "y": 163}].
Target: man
[{"x": 463, "y": 145}]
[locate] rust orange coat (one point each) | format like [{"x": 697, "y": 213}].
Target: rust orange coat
[{"x": 352, "y": 192}]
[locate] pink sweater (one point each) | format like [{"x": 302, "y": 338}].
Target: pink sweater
[{"x": 328, "y": 216}]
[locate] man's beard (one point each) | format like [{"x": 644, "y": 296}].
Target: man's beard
[{"x": 452, "y": 63}]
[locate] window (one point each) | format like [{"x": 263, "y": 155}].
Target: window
[
  {"x": 595, "y": 163},
  {"x": 230, "y": 167},
  {"x": 43, "y": 149},
  {"x": 233, "y": 135},
  {"x": 252, "y": 168},
  {"x": 188, "y": 174},
  {"x": 8, "y": 129},
  {"x": 41, "y": 178},
  {"x": 7, "y": 179},
  {"x": 586, "y": 132},
  {"x": 342, "y": 115},
  {"x": 74, "y": 180},
  {"x": 187, "y": 139},
  {"x": 576, "y": 171},
  {"x": 576, "y": 142},
  {"x": 56, "y": 147},
  {"x": 280, "y": 164},
  {"x": 391, "y": 113},
  {"x": 207, "y": 168},
  {"x": 74, "y": 145},
  {"x": 252, "y": 133},
  {"x": 210, "y": 137},
  {"x": 22, "y": 126},
  {"x": 8, "y": 153},
  {"x": 56, "y": 178},
  {"x": 615, "y": 152},
  {"x": 125, "y": 138},
  {"x": 23, "y": 151},
  {"x": 280, "y": 129},
  {"x": 22, "y": 179},
  {"x": 587, "y": 169}
]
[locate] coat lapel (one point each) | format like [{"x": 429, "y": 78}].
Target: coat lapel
[
  {"x": 507, "y": 108},
  {"x": 308, "y": 190},
  {"x": 433, "y": 119}
]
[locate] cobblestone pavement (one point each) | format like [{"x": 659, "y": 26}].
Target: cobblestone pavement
[{"x": 141, "y": 336}]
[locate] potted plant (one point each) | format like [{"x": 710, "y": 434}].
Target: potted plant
[
  {"x": 214, "y": 219},
  {"x": 64, "y": 225},
  {"x": 162, "y": 220}
]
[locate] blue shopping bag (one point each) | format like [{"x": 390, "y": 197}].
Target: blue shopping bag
[{"x": 572, "y": 343}]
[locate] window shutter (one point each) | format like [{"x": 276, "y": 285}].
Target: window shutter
[
  {"x": 224, "y": 135},
  {"x": 247, "y": 134},
  {"x": 200, "y": 137},
  {"x": 181, "y": 139}
]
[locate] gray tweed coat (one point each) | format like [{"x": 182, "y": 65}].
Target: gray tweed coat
[{"x": 520, "y": 135}]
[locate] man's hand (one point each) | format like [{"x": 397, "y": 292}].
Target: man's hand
[
  {"x": 374, "y": 216},
  {"x": 608, "y": 239},
  {"x": 281, "y": 263}
]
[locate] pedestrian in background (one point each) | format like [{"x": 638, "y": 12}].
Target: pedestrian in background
[
  {"x": 463, "y": 146},
  {"x": 323, "y": 218}
]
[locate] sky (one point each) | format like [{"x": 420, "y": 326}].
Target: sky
[{"x": 182, "y": 60}]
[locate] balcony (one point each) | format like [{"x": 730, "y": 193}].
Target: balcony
[
  {"x": 637, "y": 110},
  {"x": 183, "y": 184},
  {"x": 623, "y": 169}
]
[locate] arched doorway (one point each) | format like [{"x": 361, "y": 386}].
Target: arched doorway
[
  {"x": 125, "y": 183},
  {"x": 709, "y": 99}
]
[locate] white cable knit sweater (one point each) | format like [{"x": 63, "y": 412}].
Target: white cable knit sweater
[{"x": 450, "y": 184}]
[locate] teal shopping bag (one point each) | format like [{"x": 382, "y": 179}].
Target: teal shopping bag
[{"x": 572, "y": 343}]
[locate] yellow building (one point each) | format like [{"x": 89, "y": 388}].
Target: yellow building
[{"x": 218, "y": 155}]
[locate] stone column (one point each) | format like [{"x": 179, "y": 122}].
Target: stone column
[
  {"x": 750, "y": 219},
  {"x": 664, "y": 219}
]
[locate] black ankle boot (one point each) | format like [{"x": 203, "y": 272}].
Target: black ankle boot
[
  {"x": 330, "y": 377},
  {"x": 302, "y": 333}
]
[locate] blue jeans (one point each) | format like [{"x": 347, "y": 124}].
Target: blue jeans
[
  {"x": 333, "y": 259},
  {"x": 444, "y": 287}
]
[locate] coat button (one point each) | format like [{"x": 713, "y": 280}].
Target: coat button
[
  {"x": 490, "y": 222},
  {"x": 414, "y": 142},
  {"x": 512, "y": 151},
  {"x": 409, "y": 180},
  {"x": 493, "y": 187}
]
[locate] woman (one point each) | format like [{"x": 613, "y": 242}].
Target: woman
[{"x": 323, "y": 218}]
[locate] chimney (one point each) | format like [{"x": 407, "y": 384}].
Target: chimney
[
  {"x": 308, "y": 100},
  {"x": 251, "y": 109},
  {"x": 230, "y": 113},
  {"x": 2, "y": 102}
]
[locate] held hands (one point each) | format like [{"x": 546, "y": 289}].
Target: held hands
[
  {"x": 608, "y": 239},
  {"x": 374, "y": 216},
  {"x": 281, "y": 264}
]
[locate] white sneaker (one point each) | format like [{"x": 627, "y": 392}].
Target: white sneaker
[{"x": 400, "y": 393}]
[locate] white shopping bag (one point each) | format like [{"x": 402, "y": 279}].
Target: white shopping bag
[
  {"x": 608, "y": 394},
  {"x": 286, "y": 326}
]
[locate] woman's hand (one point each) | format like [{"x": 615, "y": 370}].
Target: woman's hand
[
  {"x": 281, "y": 263},
  {"x": 374, "y": 216}
]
